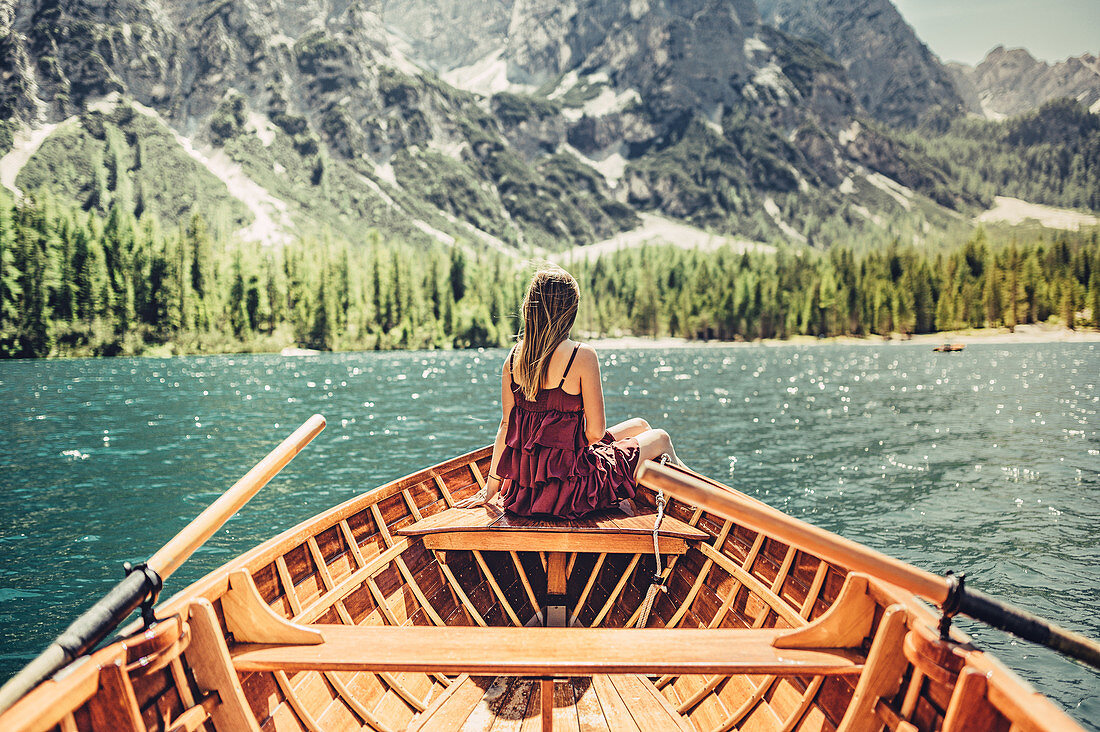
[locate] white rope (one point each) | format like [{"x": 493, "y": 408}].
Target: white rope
[{"x": 657, "y": 585}]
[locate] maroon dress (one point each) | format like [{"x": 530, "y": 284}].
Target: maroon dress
[{"x": 549, "y": 466}]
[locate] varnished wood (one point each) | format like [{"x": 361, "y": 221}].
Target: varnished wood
[
  {"x": 610, "y": 522},
  {"x": 615, "y": 592},
  {"x": 884, "y": 668},
  {"x": 441, "y": 558},
  {"x": 114, "y": 706},
  {"x": 527, "y": 586},
  {"x": 210, "y": 663},
  {"x": 556, "y": 576},
  {"x": 587, "y": 588},
  {"x": 250, "y": 620},
  {"x": 546, "y": 704},
  {"x": 821, "y": 543},
  {"x": 496, "y": 588},
  {"x": 547, "y": 541},
  {"x": 536, "y": 651}
]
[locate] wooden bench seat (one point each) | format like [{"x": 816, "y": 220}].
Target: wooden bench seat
[
  {"x": 599, "y": 702},
  {"x": 608, "y": 531},
  {"x": 510, "y": 651}
]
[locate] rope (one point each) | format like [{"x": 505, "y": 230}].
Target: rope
[{"x": 657, "y": 583}]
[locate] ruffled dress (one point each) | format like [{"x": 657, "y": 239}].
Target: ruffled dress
[{"x": 548, "y": 465}]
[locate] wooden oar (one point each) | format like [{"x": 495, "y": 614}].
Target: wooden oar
[
  {"x": 145, "y": 581},
  {"x": 946, "y": 592}
]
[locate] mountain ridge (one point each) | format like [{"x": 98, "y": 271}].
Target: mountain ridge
[{"x": 576, "y": 119}]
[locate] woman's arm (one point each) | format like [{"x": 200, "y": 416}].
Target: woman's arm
[
  {"x": 492, "y": 481},
  {"x": 588, "y": 364}
]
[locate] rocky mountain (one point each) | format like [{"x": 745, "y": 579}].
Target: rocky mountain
[
  {"x": 1010, "y": 81},
  {"x": 505, "y": 123},
  {"x": 896, "y": 77}
]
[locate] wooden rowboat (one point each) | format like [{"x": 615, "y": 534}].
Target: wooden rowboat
[
  {"x": 949, "y": 347},
  {"x": 396, "y": 611}
]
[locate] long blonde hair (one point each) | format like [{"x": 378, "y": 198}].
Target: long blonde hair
[{"x": 549, "y": 309}]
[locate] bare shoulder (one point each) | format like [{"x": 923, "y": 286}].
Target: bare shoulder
[{"x": 587, "y": 358}]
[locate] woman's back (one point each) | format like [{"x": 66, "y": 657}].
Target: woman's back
[{"x": 547, "y": 458}]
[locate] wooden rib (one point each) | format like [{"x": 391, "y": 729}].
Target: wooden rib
[
  {"x": 747, "y": 706},
  {"x": 381, "y": 524},
  {"x": 727, "y": 603},
  {"x": 527, "y": 586},
  {"x": 351, "y": 582},
  {"x": 699, "y": 580},
  {"x": 477, "y": 474},
  {"x": 411, "y": 504},
  {"x": 380, "y": 600},
  {"x": 804, "y": 705},
  {"x": 459, "y": 592},
  {"x": 295, "y": 703},
  {"x": 353, "y": 545},
  {"x": 569, "y": 566},
  {"x": 326, "y": 579},
  {"x": 496, "y": 588},
  {"x": 692, "y": 701},
  {"x": 912, "y": 694},
  {"x": 68, "y": 723},
  {"x": 421, "y": 598},
  {"x": 389, "y": 678},
  {"x": 180, "y": 680},
  {"x": 777, "y": 583},
  {"x": 587, "y": 588},
  {"x": 815, "y": 589},
  {"x": 418, "y": 593},
  {"x": 615, "y": 593},
  {"x": 355, "y": 705},
  {"x": 403, "y": 691},
  {"x": 443, "y": 490},
  {"x": 289, "y": 592},
  {"x": 695, "y": 516},
  {"x": 754, "y": 584},
  {"x": 542, "y": 560}
]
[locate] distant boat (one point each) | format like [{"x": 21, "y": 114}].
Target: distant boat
[
  {"x": 293, "y": 351},
  {"x": 398, "y": 610},
  {"x": 948, "y": 347}
]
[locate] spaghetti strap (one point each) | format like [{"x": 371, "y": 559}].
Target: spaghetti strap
[{"x": 568, "y": 365}]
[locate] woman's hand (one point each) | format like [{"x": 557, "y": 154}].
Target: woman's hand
[{"x": 486, "y": 497}]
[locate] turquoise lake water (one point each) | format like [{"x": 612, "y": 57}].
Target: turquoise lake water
[{"x": 985, "y": 461}]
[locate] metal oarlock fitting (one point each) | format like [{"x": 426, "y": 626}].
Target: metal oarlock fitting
[{"x": 950, "y": 607}]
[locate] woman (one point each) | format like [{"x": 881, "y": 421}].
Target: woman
[{"x": 552, "y": 446}]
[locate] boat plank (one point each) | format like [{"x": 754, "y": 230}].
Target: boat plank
[
  {"x": 560, "y": 651},
  {"x": 615, "y": 710},
  {"x": 611, "y": 522}
]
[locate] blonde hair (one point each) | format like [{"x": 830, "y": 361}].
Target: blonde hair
[{"x": 549, "y": 309}]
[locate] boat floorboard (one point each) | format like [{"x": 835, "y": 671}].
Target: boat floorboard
[{"x": 617, "y": 702}]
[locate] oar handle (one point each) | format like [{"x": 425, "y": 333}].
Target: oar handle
[
  {"x": 184, "y": 544},
  {"x": 763, "y": 518},
  {"x": 753, "y": 514}
]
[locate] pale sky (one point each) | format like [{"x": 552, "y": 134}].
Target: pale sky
[{"x": 965, "y": 30}]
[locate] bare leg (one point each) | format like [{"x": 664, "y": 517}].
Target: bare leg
[
  {"x": 629, "y": 428},
  {"x": 654, "y": 443}
]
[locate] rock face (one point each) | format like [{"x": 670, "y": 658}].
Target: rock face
[
  {"x": 896, "y": 77},
  {"x": 1012, "y": 81},
  {"x": 507, "y": 122}
]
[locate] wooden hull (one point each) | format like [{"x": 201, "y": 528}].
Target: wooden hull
[{"x": 241, "y": 648}]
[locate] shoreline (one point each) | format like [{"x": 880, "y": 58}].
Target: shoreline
[{"x": 1037, "y": 333}]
